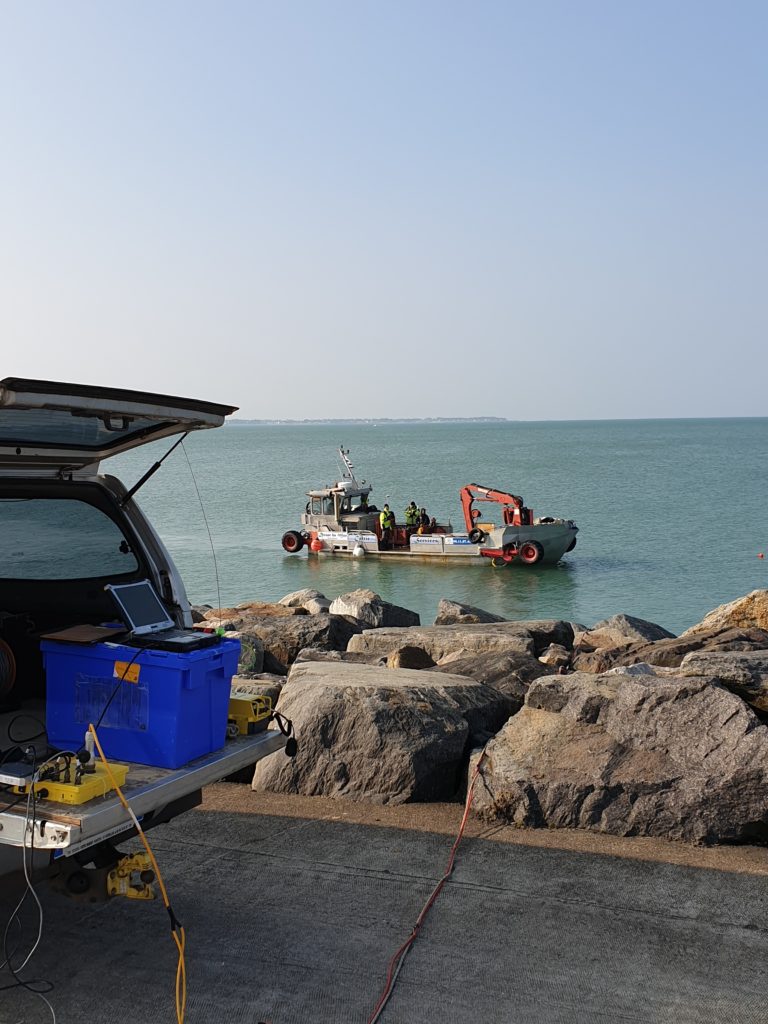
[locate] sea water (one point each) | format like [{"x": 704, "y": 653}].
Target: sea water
[{"x": 671, "y": 513}]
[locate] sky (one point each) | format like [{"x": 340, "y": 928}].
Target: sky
[{"x": 367, "y": 209}]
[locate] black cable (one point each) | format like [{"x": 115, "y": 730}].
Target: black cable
[
  {"x": 285, "y": 725},
  {"x": 20, "y": 904},
  {"x": 13, "y": 803},
  {"x": 119, "y": 682},
  {"x": 26, "y": 739},
  {"x": 13, "y": 951},
  {"x": 205, "y": 520},
  {"x": 29, "y": 985},
  {"x": 35, "y": 987},
  {"x": 11, "y": 753}
]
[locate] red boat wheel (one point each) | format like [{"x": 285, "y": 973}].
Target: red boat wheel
[
  {"x": 531, "y": 552},
  {"x": 292, "y": 542}
]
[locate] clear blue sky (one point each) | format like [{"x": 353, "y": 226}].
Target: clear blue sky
[{"x": 551, "y": 210}]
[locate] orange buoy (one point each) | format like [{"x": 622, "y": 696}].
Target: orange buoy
[
  {"x": 316, "y": 544},
  {"x": 760, "y": 554}
]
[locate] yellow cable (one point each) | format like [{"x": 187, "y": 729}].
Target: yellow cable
[{"x": 177, "y": 931}]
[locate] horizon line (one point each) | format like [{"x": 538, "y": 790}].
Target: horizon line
[{"x": 372, "y": 421}]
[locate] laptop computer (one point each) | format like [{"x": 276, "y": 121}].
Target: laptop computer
[{"x": 149, "y": 623}]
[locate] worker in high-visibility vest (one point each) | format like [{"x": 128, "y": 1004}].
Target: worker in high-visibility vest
[
  {"x": 387, "y": 523},
  {"x": 412, "y": 515}
]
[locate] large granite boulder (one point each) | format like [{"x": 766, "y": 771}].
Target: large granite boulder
[
  {"x": 298, "y": 598},
  {"x": 509, "y": 672},
  {"x": 743, "y": 672},
  {"x": 479, "y": 638},
  {"x": 630, "y": 628},
  {"x": 669, "y": 652},
  {"x": 283, "y": 638},
  {"x": 612, "y": 638},
  {"x": 366, "y": 606},
  {"x": 451, "y": 612},
  {"x": 353, "y": 658},
  {"x": 378, "y": 734},
  {"x": 312, "y": 601},
  {"x": 745, "y": 613},
  {"x": 632, "y": 755},
  {"x": 235, "y": 618}
]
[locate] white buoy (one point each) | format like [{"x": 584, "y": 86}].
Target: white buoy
[{"x": 358, "y": 551}]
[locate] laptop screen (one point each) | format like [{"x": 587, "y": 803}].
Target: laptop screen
[{"x": 140, "y": 606}]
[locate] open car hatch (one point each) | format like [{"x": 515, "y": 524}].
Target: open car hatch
[{"x": 49, "y": 423}]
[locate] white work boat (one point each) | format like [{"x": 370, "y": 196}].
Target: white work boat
[{"x": 338, "y": 520}]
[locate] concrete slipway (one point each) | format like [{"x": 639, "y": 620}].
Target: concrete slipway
[{"x": 292, "y": 918}]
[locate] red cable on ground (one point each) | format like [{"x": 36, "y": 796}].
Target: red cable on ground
[{"x": 396, "y": 961}]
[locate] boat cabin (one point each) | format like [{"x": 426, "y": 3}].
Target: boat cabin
[{"x": 344, "y": 506}]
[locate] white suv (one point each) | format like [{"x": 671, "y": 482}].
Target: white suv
[{"x": 66, "y": 531}]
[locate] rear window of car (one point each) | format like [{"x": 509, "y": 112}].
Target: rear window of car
[{"x": 55, "y": 539}]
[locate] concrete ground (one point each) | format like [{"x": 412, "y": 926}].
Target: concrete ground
[{"x": 293, "y": 908}]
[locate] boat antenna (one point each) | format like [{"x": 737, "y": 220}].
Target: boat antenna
[{"x": 344, "y": 454}]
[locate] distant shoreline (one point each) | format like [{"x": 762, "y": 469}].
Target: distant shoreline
[
  {"x": 369, "y": 422},
  {"x": 487, "y": 419}
]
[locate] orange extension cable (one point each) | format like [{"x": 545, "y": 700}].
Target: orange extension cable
[
  {"x": 398, "y": 958},
  {"x": 177, "y": 931}
]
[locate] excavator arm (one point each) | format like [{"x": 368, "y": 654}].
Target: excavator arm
[{"x": 514, "y": 511}]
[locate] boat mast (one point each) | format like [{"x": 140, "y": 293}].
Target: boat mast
[{"x": 344, "y": 455}]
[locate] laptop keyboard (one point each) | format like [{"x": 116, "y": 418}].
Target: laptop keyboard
[{"x": 180, "y": 637}]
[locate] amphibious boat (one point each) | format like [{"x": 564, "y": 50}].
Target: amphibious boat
[{"x": 339, "y": 520}]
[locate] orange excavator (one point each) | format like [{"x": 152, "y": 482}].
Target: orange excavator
[{"x": 514, "y": 511}]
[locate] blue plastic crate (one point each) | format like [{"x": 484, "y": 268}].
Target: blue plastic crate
[{"x": 169, "y": 708}]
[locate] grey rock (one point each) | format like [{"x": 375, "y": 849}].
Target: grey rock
[
  {"x": 509, "y": 672},
  {"x": 451, "y": 612},
  {"x": 319, "y": 654},
  {"x": 299, "y": 598},
  {"x": 633, "y": 629},
  {"x": 409, "y": 657},
  {"x": 675, "y": 757},
  {"x": 283, "y": 638},
  {"x": 580, "y": 696},
  {"x": 747, "y": 612},
  {"x": 198, "y": 612},
  {"x": 367, "y": 607},
  {"x": 378, "y": 734},
  {"x": 640, "y": 668},
  {"x": 743, "y": 672},
  {"x": 668, "y": 653},
  {"x": 556, "y": 656},
  {"x": 317, "y": 605},
  {"x": 439, "y": 641},
  {"x": 240, "y": 616}
]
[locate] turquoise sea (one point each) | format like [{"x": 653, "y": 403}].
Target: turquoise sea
[{"x": 671, "y": 512}]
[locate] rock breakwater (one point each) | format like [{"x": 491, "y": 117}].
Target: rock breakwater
[{"x": 621, "y": 727}]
